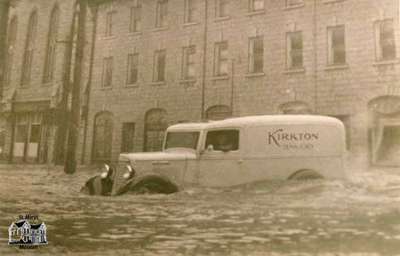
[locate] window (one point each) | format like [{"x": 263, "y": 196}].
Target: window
[
  {"x": 385, "y": 40},
  {"x": 222, "y": 8},
  {"x": 155, "y": 126},
  {"x": 221, "y": 59},
  {"x": 256, "y": 5},
  {"x": 136, "y": 17},
  {"x": 128, "y": 135},
  {"x": 29, "y": 49},
  {"x": 188, "y": 67},
  {"x": 109, "y": 23},
  {"x": 162, "y": 13},
  {"x": 294, "y": 50},
  {"x": 256, "y": 54},
  {"x": 337, "y": 46},
  {"x": 159, "y": 65},
  {"x": 218, "y": 112},
  {"x": 294, "y": 3},
  {"x": 191, "y": 10},
  {"x": 223, "y": 140},
  {"x": 102, "y": 141},
  {"x": 51, "y": 46},
  {"x": 182, "y": 140},
  {"x": 133, "y": 68},
  {"x": 107, "y": 72},
  {"x": 11, "y": 40}
]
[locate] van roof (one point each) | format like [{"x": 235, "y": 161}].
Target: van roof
[{"x": 249, "y": 121}]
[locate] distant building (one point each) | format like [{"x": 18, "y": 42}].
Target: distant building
[
  {"x": 36, "y": 80},
  {"x": 160, "y": 62}
]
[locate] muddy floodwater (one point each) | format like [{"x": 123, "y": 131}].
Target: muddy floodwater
[{"x": 360, "y": 216}]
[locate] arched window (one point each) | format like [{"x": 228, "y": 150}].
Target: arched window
[
  {"x": 11, "y": 40},
  {"x": 29, "y": 49},
  {"x": 295, "y": 107},
  {"x": 155, "y": 125},
  {"x": 102, "y": 137},
  {"x": 51, "y": 45},
  {"x": 218, "y": 112}
]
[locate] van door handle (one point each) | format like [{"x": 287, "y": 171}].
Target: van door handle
[{"x": 160, "y": 162}]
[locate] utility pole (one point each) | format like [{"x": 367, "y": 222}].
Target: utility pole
[
  {"x": 4, "y": 9},
  {"x": 74, "y": 118},
  {"x": 204, "y": 64}
]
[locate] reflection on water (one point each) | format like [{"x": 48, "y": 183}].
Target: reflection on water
[{"x": 356, "y": 217}]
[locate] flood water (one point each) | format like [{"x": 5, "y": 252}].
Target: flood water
[{"x": 360, "y": 216}]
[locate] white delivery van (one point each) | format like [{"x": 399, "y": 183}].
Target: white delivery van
[{"x": 238, "y": 151}]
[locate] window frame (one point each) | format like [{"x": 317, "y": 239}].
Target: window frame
[
  {"x": 218, "y": 4},
  {"x": 156, "y": 66},
  {"x": 131, "y": 131},
  {"x": 290, "y": 51},
  {"x": 218, "y": 60},
  {"x": 253, "y": 3},
  {"x": 29, "y": 51},
  {"x": 51, "y": 49},
  {"x": 161, "y": 13},
  {"x": 378, "y": 39},
  {"x": 132, "y": 65},
  {"x": 187, "y": 51},
  {"x": 12, "y": 32},
  {"x": 107, "y": 73},
  {"x": 135, "y": 24},
  {"x": 190, "y": 11},
  {"x": 108, "y": 31},
  {"x": 252, "y": 56},
  {"x": 331, "y": 48},
  {"x": 238, "y": 130}
]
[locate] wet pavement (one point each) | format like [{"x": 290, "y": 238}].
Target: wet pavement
[{"x": 360, "y": 216}]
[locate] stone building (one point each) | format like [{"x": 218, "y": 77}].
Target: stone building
[
  {"x": 148, "y": 64},
  {"x": 160, "y": 62},
  {"x": 37, "y": 76}
]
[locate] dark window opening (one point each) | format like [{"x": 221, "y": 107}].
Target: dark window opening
[
  {"x": 128, "y": 135},
  {"x": 224, "y": 140}
]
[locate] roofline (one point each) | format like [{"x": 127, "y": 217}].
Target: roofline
[{"x": 252, "y": 121}]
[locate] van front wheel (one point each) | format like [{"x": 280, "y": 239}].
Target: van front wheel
[{"x": 306, "y": 175}]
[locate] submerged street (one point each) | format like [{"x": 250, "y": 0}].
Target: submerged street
[{"x": 360, "y": 216}]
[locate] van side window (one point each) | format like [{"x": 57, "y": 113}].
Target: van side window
[{"x": 223, "y": 140}]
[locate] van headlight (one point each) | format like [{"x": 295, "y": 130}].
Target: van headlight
[
  {"x": 105, "y": 171},
  {"x": 129, "y": 172}
]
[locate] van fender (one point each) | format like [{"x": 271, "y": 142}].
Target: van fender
[
  {"x": 305, "y": 174},
  {"x": 153, "y": 184}
]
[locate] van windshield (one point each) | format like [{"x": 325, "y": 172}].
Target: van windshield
[{"x": 182, "y": 140}]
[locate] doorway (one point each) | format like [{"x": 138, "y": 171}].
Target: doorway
[{"x": 30, "y": 140}]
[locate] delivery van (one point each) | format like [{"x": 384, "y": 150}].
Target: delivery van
[{"x": 237, "y": 151}]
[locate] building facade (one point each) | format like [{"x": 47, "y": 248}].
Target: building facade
[
  {"x": 37, "y": 77},
  {"x": 161, "y": 62},
  {"x": 149, "y": 64}
]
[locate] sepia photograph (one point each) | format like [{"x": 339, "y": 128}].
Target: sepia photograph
[{"x": 200, "y": 127}]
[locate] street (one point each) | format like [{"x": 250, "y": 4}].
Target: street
[{"x": 360, "y": 216}]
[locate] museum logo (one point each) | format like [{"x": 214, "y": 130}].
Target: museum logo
[{"x": 27, "y": 232}]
